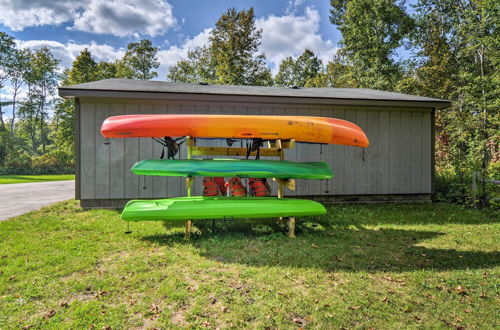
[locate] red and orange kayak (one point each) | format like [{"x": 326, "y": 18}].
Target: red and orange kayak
[{"x": 299, "y": 128}]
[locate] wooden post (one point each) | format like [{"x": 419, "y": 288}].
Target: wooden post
[
  {"x": 291, "y": 227},
  {"x": 189, "y": 183}
]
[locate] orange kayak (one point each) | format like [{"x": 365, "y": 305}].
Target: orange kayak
[{"x": 299, "y": 128}]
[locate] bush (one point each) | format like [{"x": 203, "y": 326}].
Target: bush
[
  {"x": 17, "y": 163},
  {"x": 51, "y": 163},
  {"x": 54, "y": 162},
  {"x": 456, "y": 188}
]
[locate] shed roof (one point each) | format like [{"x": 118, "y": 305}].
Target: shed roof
[{"x": 116, "y": 87}]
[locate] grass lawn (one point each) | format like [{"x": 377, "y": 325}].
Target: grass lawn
[
  {"x": 5, "y": 179},
  {"x": 378, "y": 266}
]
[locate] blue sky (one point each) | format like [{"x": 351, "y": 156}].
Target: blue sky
[{"x": 107, "y": 26}]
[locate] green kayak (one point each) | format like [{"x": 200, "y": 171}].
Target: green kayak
[
  {"x": 281, "y": 169},
  {"x": 199, "y": 207}
]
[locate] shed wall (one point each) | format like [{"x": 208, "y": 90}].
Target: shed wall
[{"x": 398, "y": 161}]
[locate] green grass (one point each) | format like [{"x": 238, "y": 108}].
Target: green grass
[
  {"x": 379, "y": 266},
  {"x": 6, "y": 179}
]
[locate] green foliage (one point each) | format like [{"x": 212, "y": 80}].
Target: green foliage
[
  {"x": 139, "y": 61},
  {"x": 107, "y": 70},
  {"x": 230, "y": 57},
  {"x": 457, "y": 58},
  {"x": 337, "y": 74},
  {"x": 297, "y": 72},
  {"x": 84, "y": 69},
  {"x": 371, "y": 32}
]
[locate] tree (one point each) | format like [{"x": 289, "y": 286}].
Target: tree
[
  {"x": 84, "y": 69},
  {"x": 198, "y": 67},
  {"x": 7, "y": 50},
  {"x": 17, "y": 72},
  {"x": 478, "y": 90},
  {"x": 140, "y": 60},
  {"x": 457, "y": 58},
  {"x": 231, "y": 56},
  {"x": 107, "y": 70},
  {"x": 336, "y": 74},
  {"x": 41, "y": 78},
  {"x": 371, "y": 32},
  {"x": 298, "y": 72}
]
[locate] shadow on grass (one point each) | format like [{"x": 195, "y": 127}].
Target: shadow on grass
[
  {"x": 353, "y": 248},
  {"x": 408, "y": 214}
]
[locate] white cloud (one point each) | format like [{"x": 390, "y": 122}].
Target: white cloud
[
  {"x": 67, "y": 53},
  {"x": 173, "y": 54},
  {"x": 290, "y": 35},
  {"x": 18, "y": 14},
  {"x": 126, "y": 17},
  {"x": 117, "y": 17},
  {"x": 282, "y": 36},
  {"x": 293, "y": 6}
]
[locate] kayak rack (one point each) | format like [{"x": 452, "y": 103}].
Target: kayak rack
[{"x": 274, "y": 148}]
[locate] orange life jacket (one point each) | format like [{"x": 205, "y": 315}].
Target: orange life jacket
[
  {"x": 259, "y": 187},
  {"x": 236, "y": 187},
  {"x": 210, "y": 188}
]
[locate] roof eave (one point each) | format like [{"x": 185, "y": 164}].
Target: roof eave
[{"x": 68, "y": 92}]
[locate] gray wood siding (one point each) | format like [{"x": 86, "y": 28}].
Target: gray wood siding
[{"x": 398, "y": 161}]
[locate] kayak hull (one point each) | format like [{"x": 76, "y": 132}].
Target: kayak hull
[
  {"x": 234, "y": 167},
  {"x": 299, "y": 128},
  {"x": 201, "y": 207}
]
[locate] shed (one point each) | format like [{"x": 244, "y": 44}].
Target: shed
[{"x": 398, "y": 165}]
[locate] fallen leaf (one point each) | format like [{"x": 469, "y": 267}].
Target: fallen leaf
[
  {"x": 483, "y": 295},
  {"x": 64, "y": 304},
  {"x": 315, "y": 246},
  {"x": 12, "y": 277},
  {"x": 224, "y": 309},
  {"x": 106, "y": 327},
  {"x": 354, "y": 307},
  {"x": 50, "y": 314},
  {"x": 155, "y": 309},
  {"x": 461, "y": 290},
  {"x": 384, "y": 299},
  {"x": 27, "y": 326},
  {"x": 299, "y": 320}
]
